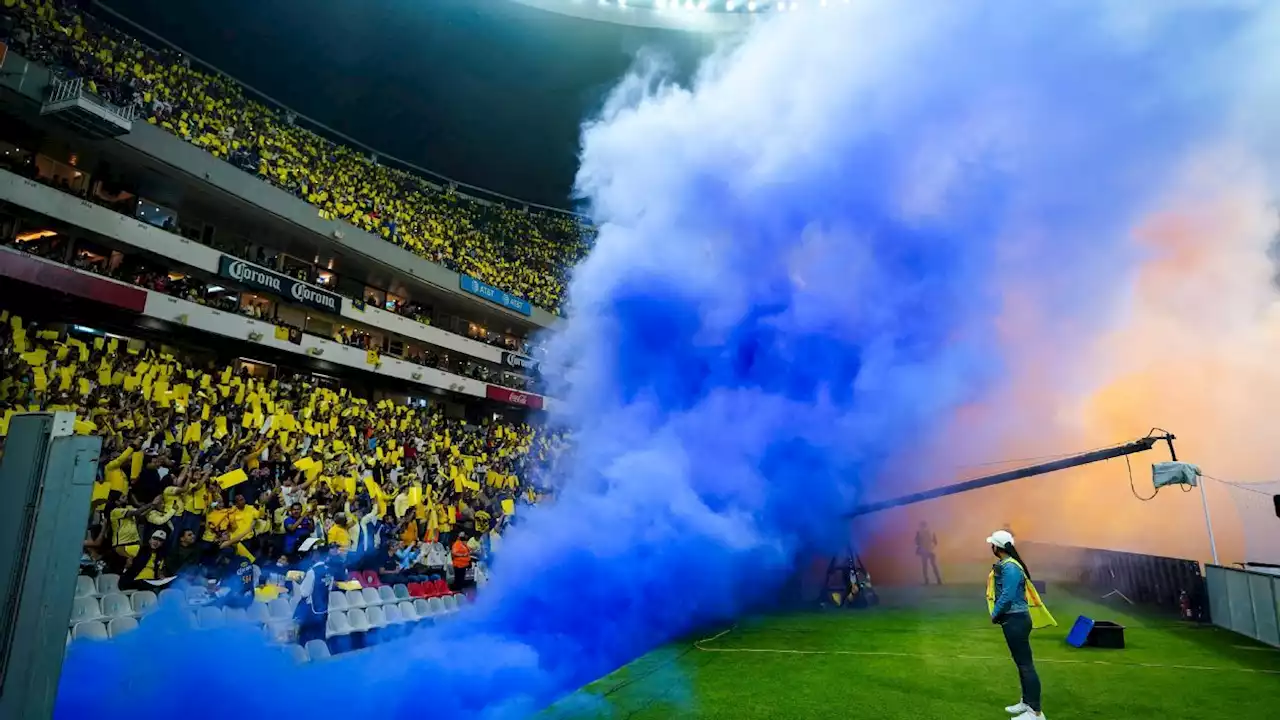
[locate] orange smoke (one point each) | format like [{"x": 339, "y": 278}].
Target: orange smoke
[{"x": 1192, "y": 346}]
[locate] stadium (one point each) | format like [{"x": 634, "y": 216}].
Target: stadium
[{"x": 639, "y": 358}]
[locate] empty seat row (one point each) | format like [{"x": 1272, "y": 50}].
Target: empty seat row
[
  {"x": 86, "y": 608},
  {"x": 99, "y": 630},
  {"x": 361, "y": 620},
  {"x": 103, "y": 585},
  {"x": 369, "y": 598}
]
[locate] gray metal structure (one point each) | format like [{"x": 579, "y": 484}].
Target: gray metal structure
[{"x": 46, "y": 483}]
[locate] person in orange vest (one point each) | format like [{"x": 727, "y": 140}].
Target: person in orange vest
[{"x": 461, "y": 561}]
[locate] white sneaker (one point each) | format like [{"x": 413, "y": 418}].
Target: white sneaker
[
  {"x": 1018, "y": 709},
  {"x": 1028, "y": 715}
]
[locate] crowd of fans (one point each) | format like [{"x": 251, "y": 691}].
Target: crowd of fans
[
  {"x": 224, "y": 477},
  {"x": 523, "y": 252},
  {"x": 24, "y": 164}
]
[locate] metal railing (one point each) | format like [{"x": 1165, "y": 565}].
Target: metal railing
[{"x": 71, "y": 91}]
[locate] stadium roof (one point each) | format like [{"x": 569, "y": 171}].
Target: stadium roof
[{"x": 687, "y": 15}]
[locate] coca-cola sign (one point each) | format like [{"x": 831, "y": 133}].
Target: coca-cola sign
[
  {"x": 259, "y": 278},
  {"x": 514, "y": 397}
]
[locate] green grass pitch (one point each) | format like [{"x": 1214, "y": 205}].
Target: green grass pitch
[{"x": 932, "y": 653}]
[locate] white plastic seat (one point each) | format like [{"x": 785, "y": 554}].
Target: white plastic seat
[
  {"x": 401, "y": 591},
  {"x": 371, "y": 597},
  {"x": 387, "y": 595},
  {"x": 354, "y": 600},
  {"x": 86, "y": 587},
  {"x": 91, "y": 630},
  {"x": 280, "y": 631},
  {"x": 338, "y": 601},
  {"x": 210, "y": 617},
  {"x": 393, "y": 614},
  {"x": 169, "y": 595},
  {"x": 109, "y": 583},
  {"x": 85, "y": 609},
  {"x": 377, "y": 618},
  {"x": 259, "y": 613},
  {"x": 358, "y": 620},
  {"x": 424, "y": 608},
  {"x": 437, "y": 606},
  {"x": 460, "y": 600},
  {"x": 449, "y": 603},
  {"x": 279, "y": 609},
  {"x": 116, "y": 605},
  {"x": 143, "y": 600},
  {"x": 298, "y": 654},
  {"x": 317, "y": 650},
  {"x": 336, "y": 625},
  {"x": 408, "y": 612},
  {"x": 121, "y": 625}
]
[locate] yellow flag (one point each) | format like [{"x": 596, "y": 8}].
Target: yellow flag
[
  {"x": 35, "y": 358},
  {"x": 85, "y": 389},
  {"x": 219, "y": 427},
  {"x": 204, "y": 412},
  {"x": 231, "y": 479},
  {"x": 508, "y": 507}
]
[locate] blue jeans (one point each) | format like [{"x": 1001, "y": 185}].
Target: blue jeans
[{"x": 1017, "y": 635}]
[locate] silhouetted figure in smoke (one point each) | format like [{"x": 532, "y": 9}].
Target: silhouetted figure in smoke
[{"x": 926, "y": 548}]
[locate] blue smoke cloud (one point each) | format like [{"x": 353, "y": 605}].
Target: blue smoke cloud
[{"x": 798, "y": 278}]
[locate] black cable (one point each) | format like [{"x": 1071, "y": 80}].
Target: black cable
[{"x": 1133, "y": 489}]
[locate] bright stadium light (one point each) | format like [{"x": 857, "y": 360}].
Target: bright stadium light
[
  {"x": 730, "y": 5},
  {"x": 751, "y": 6},
  {"x": 703, "y": 5}
]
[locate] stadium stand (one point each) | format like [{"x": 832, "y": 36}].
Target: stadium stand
[
  {"x": 154, "y": 273},
  {"x": 217, "y": 478},
  {"x": 526, "y": 253}
]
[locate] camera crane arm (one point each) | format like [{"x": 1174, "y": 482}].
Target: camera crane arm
[{"x": 1137, "y": 446}]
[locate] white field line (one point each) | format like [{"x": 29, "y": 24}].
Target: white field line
[{"x": 984, "y": 658}]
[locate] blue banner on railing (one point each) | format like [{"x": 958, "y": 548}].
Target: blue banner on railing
[{"x": 494, "y": 295}]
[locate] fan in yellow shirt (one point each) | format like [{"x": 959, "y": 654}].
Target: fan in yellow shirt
[
  {"x": 243, "y": 518},
  {"x": 339, "y": 534}
]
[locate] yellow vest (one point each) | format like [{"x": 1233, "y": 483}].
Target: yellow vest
[{"x": 1040, "y": 616}]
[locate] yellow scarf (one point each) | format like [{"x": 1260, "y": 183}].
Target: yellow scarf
[{"x": 1040, "y": 616}]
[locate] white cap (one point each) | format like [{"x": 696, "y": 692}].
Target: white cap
[
  {"x": 307, "y": 544},
  {"x": 1001, "y": 539}
]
